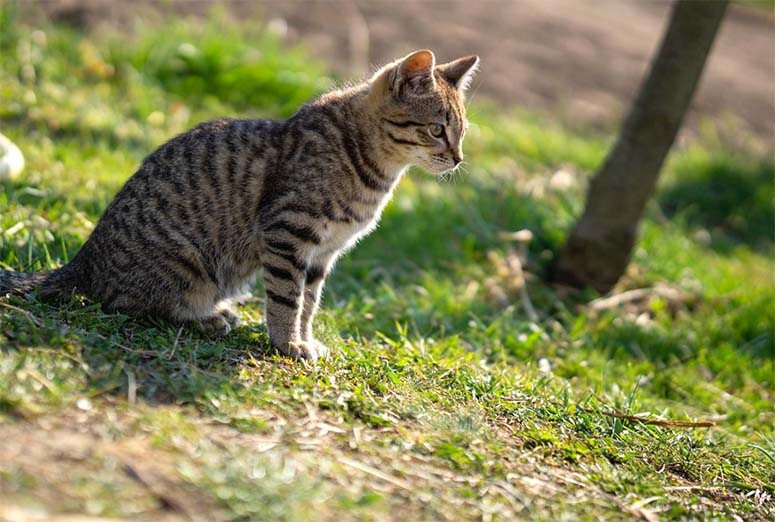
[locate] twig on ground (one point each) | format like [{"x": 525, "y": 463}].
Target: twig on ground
[
  {"x": 665, "y": 423},
  {"x": 669, "y": 294},
  {"x": 131, "y": 388},
  {"x": 175, "y": 344},
  {"x": 659, "y": 422},
  {"x": 31, "y": 318},
  {"x": 709, "y": 489},
  {"x": 36, "y": 375},
  {"x": 514, "y": 261},
  {"x": 160, "y": 481},
  {"x": 638, "y": 509},
  {"x": 365, "y": 468}
]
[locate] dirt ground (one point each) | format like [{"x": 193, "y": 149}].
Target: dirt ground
[{"x": 579, "y": 60}]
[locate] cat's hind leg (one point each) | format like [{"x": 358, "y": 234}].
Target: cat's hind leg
[{"x": 204, "y": 309}]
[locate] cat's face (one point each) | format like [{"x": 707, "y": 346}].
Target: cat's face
[{"x": 422, "y": 114}]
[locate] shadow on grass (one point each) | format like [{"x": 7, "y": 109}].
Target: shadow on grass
[
  {"x": 116, "y": 354},
  {"x": 731, "y": 200}
]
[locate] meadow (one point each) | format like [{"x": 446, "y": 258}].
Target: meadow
[{"x": 447, "y": 397}]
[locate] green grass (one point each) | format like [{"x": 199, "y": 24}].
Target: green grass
[
  {"x": 442, "y": 399},
  {"x": 764, "y": 5}
]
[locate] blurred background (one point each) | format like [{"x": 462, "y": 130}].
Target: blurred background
[{"x": 578, "y": 60}]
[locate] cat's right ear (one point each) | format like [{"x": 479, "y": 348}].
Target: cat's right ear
[{"x": 414, "y": 74}]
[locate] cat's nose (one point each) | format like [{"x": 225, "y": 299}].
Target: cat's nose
[{"x": 457, "y": 158}]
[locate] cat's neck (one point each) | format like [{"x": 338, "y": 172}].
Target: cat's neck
[
  {"x": 371, "y": 123},
  {"x": 364, "y": 122}
]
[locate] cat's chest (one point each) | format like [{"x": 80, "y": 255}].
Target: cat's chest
[
  {"x": 358, "y": 219},
  {"x": 340, "y": 235}
]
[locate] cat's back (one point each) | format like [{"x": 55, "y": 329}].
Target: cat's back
[
  {"x": 197, "y": 174},
  {"x": 187, "y": 211}
]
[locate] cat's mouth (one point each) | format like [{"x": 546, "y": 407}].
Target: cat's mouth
[{"x": 439, "y": 165}]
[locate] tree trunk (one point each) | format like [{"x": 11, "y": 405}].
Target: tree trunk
[{"x": 599, "y": 247}]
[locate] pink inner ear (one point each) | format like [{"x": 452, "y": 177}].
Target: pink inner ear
[{"x": 420, "y": 62}]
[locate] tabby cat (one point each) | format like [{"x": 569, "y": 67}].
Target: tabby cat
[{"x": 212, "y": 207}]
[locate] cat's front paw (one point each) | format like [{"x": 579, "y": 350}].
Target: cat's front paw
[
  {"x": 311, "y": 350},
  {"x": 321, "y": 348}
]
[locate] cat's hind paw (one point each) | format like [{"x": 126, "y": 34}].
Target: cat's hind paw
[
  {"x": 230, "y": 316},
  {"x": 216, "y": 324}
]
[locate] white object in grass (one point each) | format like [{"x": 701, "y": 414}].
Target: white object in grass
[{"x": 11, "y": 159}]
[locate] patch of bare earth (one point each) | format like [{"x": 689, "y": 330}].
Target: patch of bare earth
[
  {"x": 75, "y": 462},
  {"x": 66, "y": 466}
]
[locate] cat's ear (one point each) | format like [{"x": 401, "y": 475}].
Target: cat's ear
[
  {"x": 414, "y": 74},
  {"x": 460, "y": 72}
]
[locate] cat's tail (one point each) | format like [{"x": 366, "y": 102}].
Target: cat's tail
[
  {"x": 49, "y": 284},
  {"x": 20, "y": 283}
]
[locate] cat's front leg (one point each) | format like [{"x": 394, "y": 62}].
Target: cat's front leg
[
  {"x": 284, "y": 305},
  {"x": 315, "y": 278}
]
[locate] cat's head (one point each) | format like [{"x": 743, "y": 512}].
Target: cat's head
[{"x": 421, "y": 109}]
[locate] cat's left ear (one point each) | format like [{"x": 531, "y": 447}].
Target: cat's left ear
[
  {"x": 414, "y": 74},
  {"x": 460, "y": 72}
]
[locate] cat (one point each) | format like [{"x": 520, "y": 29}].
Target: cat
[{"x": 214, "y": 206}]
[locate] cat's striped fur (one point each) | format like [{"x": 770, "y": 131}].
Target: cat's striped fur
[{"x": 214, "y": 206}]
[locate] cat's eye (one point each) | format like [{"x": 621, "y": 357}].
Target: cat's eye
[{"x": 436, "y": 130}]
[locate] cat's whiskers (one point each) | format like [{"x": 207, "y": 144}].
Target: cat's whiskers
[
  {"x": 473, "y": 94},
  {"x": 458, "y": 172}
]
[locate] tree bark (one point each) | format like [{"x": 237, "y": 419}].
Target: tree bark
[{"x": 599, "y": 247}]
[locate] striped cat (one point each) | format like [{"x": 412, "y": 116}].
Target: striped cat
[{"x": 214, "y": 206}]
